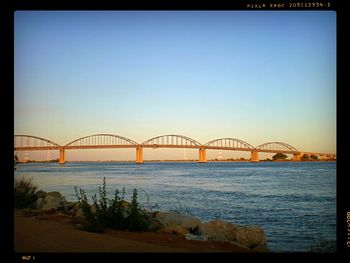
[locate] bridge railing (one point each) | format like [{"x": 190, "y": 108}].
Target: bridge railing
[
  {"x": 101, "y": 141},
  {"x": 29, "y": 142},
  {"x": 281, "y": 147},
  {"x": 229, "y": 144},
  {"x": 171, "y": 141}
]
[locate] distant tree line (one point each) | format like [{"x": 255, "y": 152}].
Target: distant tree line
[
  {"x": 279, "y": 156},
  {"x": 305, "y": 157}
]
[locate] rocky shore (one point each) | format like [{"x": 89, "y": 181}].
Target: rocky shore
[{"x": 167, "y": 231}]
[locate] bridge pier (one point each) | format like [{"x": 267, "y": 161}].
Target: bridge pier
[
  {"x": 202, "y": 155},
  {"x": 297, "y": 156},
  {"x": 254, "y": 156},
  {"x": 139, "y": 155},
  {"x": 62, "y": 159}
]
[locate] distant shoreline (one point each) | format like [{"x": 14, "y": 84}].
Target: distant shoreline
[{"x": 171, "y": 161}]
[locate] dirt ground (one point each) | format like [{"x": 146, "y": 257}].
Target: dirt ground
[{"x": 57, "y": 233}]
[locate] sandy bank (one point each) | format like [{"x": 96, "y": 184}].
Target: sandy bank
[{"x": 57, "y": 233}]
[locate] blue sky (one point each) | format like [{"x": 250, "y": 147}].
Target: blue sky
[{"x": 258, "y": 76}]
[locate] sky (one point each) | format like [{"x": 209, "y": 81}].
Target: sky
[{"x": 258, "y": 76}]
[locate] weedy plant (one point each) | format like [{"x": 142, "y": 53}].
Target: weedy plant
[
  {"x": 114, "y": 213},
  {"x": 24, "y": 193}
]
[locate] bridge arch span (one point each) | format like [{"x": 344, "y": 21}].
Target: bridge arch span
[
  {"x": 23, "y": 142},
  {"x": 277, "y": 146},
  {"x": 101, "y": 140},
  {"x": 229, "y": 144},
  {"x": 171, "y": 141}
]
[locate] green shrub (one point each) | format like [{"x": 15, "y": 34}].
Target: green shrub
[
  {"x": 24, "y": 193},
  {"x": 111, "y": 213},
  {"x": 116, "y": 211},
  {"x": 91, "y": 222},
  {"x": 136, "y": 219},
  {"x": 101, "y": 205}
]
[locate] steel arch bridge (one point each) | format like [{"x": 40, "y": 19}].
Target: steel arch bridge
[
  {"x": 171, "y": 141},
  {"x": 281, "y": 147},
  {"x": 101, "y": 141},
  {"x": 98, "y": 141},
  {"x": 32, "y": 143},
  {"x": 107, "y": 141},
  {"x": 229, "y": 144}
]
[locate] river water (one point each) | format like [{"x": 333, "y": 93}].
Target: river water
[{"x": 294, "y": 202}]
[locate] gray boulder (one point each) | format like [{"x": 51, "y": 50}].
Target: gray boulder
[
  {"x": 173, "y": 223},
  {"x": 153, "y": 223},
  {"x": 39, "y": 203},
  {"x": 190, "y": 236},
  {"x": 174, "y": 219},
  {"x": 40, "y": 194},
  {"x": 219, "y": 230},
  {"x": 251, "y": 236},
  {"x": 247, "y": 236},
  {"x": 54, "y": 194},
  {"x": 54, "y": 200}
]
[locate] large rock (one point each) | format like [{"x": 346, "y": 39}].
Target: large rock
[
  {"x": 54, "y": 194},
  {"x": 40, "y": 194},
  {"x": 248, "y": 236},
  {"x": 173, "y": 223},
  {"x": 197, "y": 237},
  {"x": 174, "y": 219},
  {"x": 78, "y": 210},
  {"x": 153, "y": 223},
  {"x": 54, "y": 200},
  {"x": 219, "y": 230},
  {"x": 39, "y": 203},
  {"x": 251, "y": 236}
]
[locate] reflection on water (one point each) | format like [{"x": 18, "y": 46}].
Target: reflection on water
[{"x": 295, "y": 203}]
